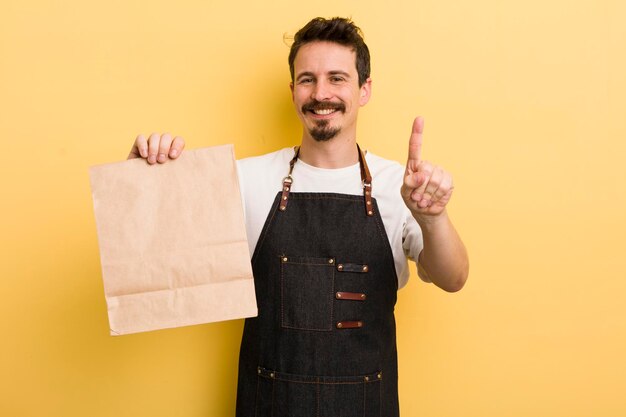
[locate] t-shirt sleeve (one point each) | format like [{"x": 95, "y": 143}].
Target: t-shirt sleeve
[{"x": 412, "y": 240}]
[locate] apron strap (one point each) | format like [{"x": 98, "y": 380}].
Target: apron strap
[
  {"x": 366, "y": 180},
  {"x": 287, "y": 181}
]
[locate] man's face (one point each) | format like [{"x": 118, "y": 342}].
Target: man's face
[{"x": 326, "y": 90}]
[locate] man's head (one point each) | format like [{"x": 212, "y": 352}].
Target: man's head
[
  {"x": 329, "y": 65},
  {"x": 338, "y": 30}
]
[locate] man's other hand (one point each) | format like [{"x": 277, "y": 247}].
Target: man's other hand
[
  {"x": 427, "y": 188},
  {"x": 157, "y": 148}
]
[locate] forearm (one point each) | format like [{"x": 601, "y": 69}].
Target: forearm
[{"x": 444, "y": 260}]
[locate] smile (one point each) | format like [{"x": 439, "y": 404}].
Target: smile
[
  {"x": 323, "y": 108},
  {"x": 323, "y": 112}
]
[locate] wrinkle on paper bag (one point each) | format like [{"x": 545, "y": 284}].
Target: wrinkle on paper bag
[{"x": 172, "y": 239}]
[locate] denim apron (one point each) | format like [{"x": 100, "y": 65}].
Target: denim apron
[{"x": 324, "y": 342}]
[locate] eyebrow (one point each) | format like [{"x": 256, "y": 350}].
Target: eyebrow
[
  {"x": 310, "y": 74},
  {"x": 345, "y": 74}
]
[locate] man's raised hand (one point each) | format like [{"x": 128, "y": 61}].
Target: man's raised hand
[{"x": 427, "y": 188}]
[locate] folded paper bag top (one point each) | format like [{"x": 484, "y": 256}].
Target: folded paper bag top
[{"x": 172, "y": 240}]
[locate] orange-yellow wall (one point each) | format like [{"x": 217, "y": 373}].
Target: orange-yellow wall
[{"x": 525, "y": 102}]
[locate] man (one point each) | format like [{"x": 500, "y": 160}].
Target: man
[{"x": 329, "y": 235}]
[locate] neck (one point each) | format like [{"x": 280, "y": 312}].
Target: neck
[{"x": 339, "y": 152}]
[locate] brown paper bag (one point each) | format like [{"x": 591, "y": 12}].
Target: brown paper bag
[{"x": 172, "y": 241}]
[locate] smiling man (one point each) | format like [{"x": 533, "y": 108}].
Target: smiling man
[
  {"x": 330, "y": 229},
  {"x": 326, "y": 95}
]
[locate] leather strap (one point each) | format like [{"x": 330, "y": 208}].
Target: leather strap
[
  {"x": 352, "y": 296},
  {"x": 366, "y": 180},
  {"x": 349, "y": 324},
  {"x": 352, "y": 268},
  {"x": 287, "y": 181}
]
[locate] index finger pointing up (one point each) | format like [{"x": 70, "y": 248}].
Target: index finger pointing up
[{"x": 415, "y": 142}]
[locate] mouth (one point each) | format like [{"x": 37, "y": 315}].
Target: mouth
[
  {"x": 323, "y": 109},
  {"x": 323, "y": 112}
]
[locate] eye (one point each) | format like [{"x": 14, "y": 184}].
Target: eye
[
  {"x": 305, "y": 80},
  {"x": 337, "y": 79}
]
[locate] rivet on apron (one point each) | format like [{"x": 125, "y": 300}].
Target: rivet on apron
[
  {"x": 340, "y": 267},
  {"x": 331, "y": 261},
  {"x": 271, "y": 374},
  {"x": 365, "y": 268},
  {"x": 370, "y": 212},
  {"x": 339, "y": 325},
  {"x": 380, "y": 375},
  {"x": 284, "y": 259},
  {"x": 338, "y": 295},
  {"x": 367, "y": 378}
]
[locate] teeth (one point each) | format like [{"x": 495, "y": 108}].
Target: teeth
[{"x": 324, "y": 111}]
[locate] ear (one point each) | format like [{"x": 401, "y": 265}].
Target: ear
[
  {"x": 291, "y": 88},
  {"x": 366, "y": 92}
]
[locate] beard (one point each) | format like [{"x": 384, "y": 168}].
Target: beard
[{"x": 323, "y": 131}]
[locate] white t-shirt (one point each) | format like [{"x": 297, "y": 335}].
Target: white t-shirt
[{"x": 261, "y": 178}]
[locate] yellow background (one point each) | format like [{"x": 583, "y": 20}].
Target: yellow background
[{"x": 524, "y": 102}]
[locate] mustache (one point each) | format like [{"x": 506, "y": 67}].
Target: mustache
[{"x": 322, "y": 105}]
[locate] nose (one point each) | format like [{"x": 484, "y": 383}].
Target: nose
[{"x": 321, "y": 91}]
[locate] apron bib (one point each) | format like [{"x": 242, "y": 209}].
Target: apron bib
[{"x": 324, "y": 342}]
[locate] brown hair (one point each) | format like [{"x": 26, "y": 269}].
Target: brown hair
[{"x": 338, "y": 30}]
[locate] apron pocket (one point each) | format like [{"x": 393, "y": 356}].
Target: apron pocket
[
  {"x": 307, "y": 292},
  {"x": 288, "y": 395}
]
